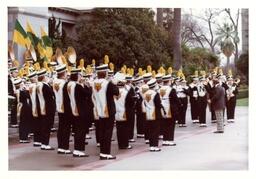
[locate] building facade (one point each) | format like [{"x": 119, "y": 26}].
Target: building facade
[{"x": 39, "y": 16}]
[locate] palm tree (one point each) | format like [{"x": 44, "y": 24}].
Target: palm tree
[{"x": 227, "y": 37}]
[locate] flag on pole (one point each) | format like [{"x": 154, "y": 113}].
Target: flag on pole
[
  {"x": 41, "y": 48},
  {"x": 47, "y": 43},
  {"x": 31, "y": 35},
  {"x": 20, "y": 36}
]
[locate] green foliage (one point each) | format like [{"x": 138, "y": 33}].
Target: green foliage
[
  {"x": 242, "y": 102},
  {"x": 198, "y": 59},
  {"x": 126, "y": 35},
  {"x": 243, "y": 93},
  {"x": 242, "y": 66}
]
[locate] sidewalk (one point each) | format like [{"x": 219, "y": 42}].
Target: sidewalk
[{"x": 197, "y": 149}]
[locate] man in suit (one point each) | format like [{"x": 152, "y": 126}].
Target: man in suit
[
  {"x": 103, "y": 94},
  {"x": 218, "y": 105}
]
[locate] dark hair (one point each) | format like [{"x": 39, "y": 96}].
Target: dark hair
[
  {"x": 101, "y": 74},
  {"x": 60, "y": 75},
  {"x": 73, "y": 77},
  {"x": 40, "y": 78}
]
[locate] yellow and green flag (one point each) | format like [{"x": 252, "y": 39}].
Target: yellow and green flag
[
  {"x": 20, "y": 36},
  {"x": 31, "y": 35},
  {"x": 47, "y": 43}
]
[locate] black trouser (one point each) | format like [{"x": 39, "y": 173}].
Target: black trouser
[
  {"x": 202, "y": 104},
  {"x": 24, "y": 126},
  {"x": 64, "y": 131},
  {"x": 80, "y": 131},
  {"x": 37, "y": 124},
  {"x": 131, "y": 121},
  {"x": 162, "y": 127},
  {"x": 46, "y": 128},
  {"x": 97, "y": 130},
  {"x": 146, "y": 127},
  {"x": 122, "y": 134},
  {"x": 140, "y": 123},
  {"x": 153, "y": 129},
  {"x": 183, "y": 110},
  {"x": 105, "y": 129},
  {"x": 14, "y": 112},
  {"x": 194, "y": 109},
  {"x": 231, "y": 105},
  {"x": 213, "y": 116},
  {"x": 52, "y": 120},
  {"x": 169, "y": 127}
]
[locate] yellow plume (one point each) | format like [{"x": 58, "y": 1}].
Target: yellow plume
[
  {"x": 123, "y": 70},
  {"x": 132, "y": 72},
  {"x": 45, "y": 64},
  {"x": 230, "y": 73},
  {"x": 170, "y": 70},
  {"x": 220, "y": 71},
  {"x": 149, "y": 69},
  {"x": 36, "y": 66},
  {"x": 144, "y": 72},
  {"x": 196, "y": 73},
  {"x": 21, "y": 73},
  {"x": 16, "y": 63},
  {"x": 81, "y": 64},
  {"x": 111, "y": 66},
  {"x": 93, "y": 62},
  {"x": 106, "y": 59},
  {"x": 179, "y": 73},
  {"x": 140, "y": 71},
  {"x": 153, "y": 73},
  {"x": 128, "y": 70},
  {"x": 203, "y": 73}
]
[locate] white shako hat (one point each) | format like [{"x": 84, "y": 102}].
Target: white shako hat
[
  {"x": 167, "y": 77},
  {"x": 32, "y": 74},
  {"x": 137, "y": 80},
  {"x": 75, "y": 70},
  {"x": 147, "y": 76},
  {"x": 103, "y": 67},
  {"x": 159, "y": 76},
  {"x": 17, "y": 81},
  {"x": 61, "y": 68},
  {"x": 151, "y": 83},
  {"x": 41, "y": 72}
]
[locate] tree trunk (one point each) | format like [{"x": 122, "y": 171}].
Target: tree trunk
[
  {"x": 228, "y": 63},
  {"x": 159, "y": 17},
  {"x": 177, "y": 38}
]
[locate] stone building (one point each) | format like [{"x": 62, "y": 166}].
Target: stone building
[{"x": 39, "y": 16}]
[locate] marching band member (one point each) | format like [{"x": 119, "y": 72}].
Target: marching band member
[
  {"x": 122, "y": 125},
  {"x": 130, "y": 107},
  {"x": 169, "y": 100},
  {"x": 231, "y": 92},
  {"x": 140, "y": 116},
  {"x": 182, "y": 91},
  {"x": 194, "y": 99},
  {"x": 35, "y": 108},
  {"x": 24, "y": 109},
  {"x": 47, "y": 108},
  {"x": 153, "y": 106},
  {"x": 202, "y": 101},
  {"x": 64, "y": 120},
  {"x": 103, "y": 93}
]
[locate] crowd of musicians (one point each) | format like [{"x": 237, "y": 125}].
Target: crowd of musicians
[{"x": 152, "y": 102}]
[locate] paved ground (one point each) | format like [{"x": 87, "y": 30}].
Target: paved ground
[{"x": 197, "y": 149}]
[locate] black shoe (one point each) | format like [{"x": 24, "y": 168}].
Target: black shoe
[
  {"x": 131, "y": 140},
  {"x": 61, "y": 152},
  {"x": 217, "y": 132},
  {"x": 53, "y": 129},
  {"x": 128, "y": 147},
  {"x": 112, "y": 140},
  {"x": 107, "y": 158},
  {"x": 37, "y": 145},
  {"x": 86, "y": 143},
  {"x": 50, "y": 148},
  {"x": 14, "y": 126},
  {"x": 76, "y": 155}
]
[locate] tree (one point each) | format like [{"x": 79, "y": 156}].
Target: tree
[
  {"x": 159, "y": 17},
  {"x": 226, "y": 36},
  {"x": 177, "y": 38},
  {"x": 235, "y": 25},
  {"x": 126, "y": 35}
]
